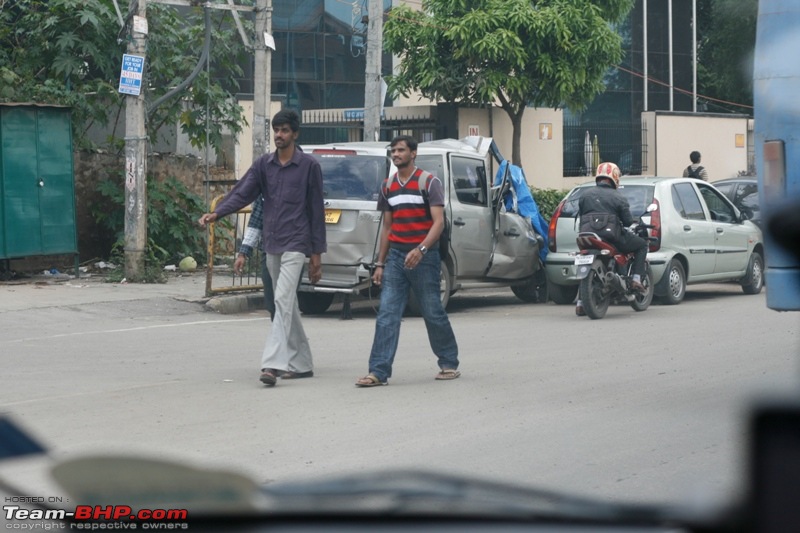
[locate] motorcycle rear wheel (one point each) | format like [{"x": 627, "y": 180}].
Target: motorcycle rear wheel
[
  {"x": 591, "y": 293},
  {"x": 643, "y": 301}
]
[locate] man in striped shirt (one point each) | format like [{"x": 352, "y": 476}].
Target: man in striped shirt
[{"x": 408, "y": 259}]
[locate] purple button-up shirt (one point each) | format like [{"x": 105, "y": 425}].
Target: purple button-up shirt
[{"x": 294, "y": 211}]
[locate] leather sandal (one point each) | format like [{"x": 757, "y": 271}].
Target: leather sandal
[{"x": 269, "y": 377}]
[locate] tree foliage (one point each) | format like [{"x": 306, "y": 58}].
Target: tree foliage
[
  {"x": 69, "y": 52},
  {"x": 520, "y": 53},
  {"x": 727, "y": 36}
]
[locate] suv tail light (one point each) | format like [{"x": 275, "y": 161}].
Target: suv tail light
[
  {"x": 551, "y": 230},
  {"x": 655, "y": 231}
]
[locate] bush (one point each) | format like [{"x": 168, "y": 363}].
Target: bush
[
  {"x": 548, "y": 200},
  {"x": 172, "y": 210}
]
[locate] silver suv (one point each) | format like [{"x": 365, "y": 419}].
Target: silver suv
[
  {"x": 701, "y": 237},
  {"x": 488, "y": 246}
]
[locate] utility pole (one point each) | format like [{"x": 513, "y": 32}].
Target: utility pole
[
  {"x": 262, "y": 79},
  {"x": 136, "y": 161},
  {"x": 372, "y": 85}
]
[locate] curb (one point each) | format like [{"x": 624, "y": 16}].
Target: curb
[{"x": 236, "y": 303}]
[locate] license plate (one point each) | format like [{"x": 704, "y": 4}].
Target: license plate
[
  {"x": 332, "y": 216},
  {"x": 584, "y": 259}
]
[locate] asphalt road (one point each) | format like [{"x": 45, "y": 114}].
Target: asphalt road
[{"x": 638, "y": 406}]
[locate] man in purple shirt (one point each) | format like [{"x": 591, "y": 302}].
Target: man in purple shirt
[{"x": 293, "y": 229}]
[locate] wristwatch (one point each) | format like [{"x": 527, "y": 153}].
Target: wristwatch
[{"x": 422, "y": 249}]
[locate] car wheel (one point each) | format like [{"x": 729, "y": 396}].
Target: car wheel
[
  {"x": 314, "y": 303},
  {"x": 754, "y": 279},
  {"x": 535, "y": 289},
  {"x": 445, "y": 289},
  {"x": 562, "y": 294},
  {"x": 672, "y": 287}
]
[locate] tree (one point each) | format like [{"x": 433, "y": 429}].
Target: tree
[
  {"x": 520, "y": 53},
  {"x": 69, "y": 52},
  {"x": 727, "y": 37},
  {"x": 60, "y": 52}
]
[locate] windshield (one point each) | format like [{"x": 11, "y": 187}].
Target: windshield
[{"x": 352, "y": 177}]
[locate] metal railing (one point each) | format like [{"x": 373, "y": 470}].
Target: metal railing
[
  {"x": 621, "y": 142},
  {"x": 223, "y": 241}
]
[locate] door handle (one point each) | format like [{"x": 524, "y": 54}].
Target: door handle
[
  {"x": 720, "y": 230},
  {"x": 687, "y": 228},
  {"x": 511, "y": 233},
  {"x": 459, "y": 222}
]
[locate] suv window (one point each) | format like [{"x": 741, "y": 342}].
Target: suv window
[
  {"x": 352, "y": 177},
  {"x": 638, "y": 196},
  {"x": 686, "y": 202},
  {"x": 469, "y": 181},
  {"x": 747, "y": 197},
  {"x": 432, "y": 164}
]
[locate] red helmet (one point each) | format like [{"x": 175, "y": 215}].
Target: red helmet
[{"x": 608, "y": 170}]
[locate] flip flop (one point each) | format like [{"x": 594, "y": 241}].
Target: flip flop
[
  {"x": 370, "y": 380},
  {"x": 447, "y": 374}
]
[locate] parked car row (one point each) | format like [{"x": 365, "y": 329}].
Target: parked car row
[
  {"x": 704, "y": 232},
  {"x": 701, "y": 236}
]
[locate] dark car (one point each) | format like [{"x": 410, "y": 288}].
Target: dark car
[{"x": 743, "y": 192}]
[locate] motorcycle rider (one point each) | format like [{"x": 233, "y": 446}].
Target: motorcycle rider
[{"x": 606, "y": 199}]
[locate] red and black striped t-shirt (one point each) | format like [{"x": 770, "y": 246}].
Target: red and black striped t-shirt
[{"x": 411, "y": 219}]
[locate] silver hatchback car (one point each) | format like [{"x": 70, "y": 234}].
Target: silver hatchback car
[{"x": 700, "y": 237}]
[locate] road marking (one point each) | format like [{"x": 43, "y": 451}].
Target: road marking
[{"x": 139, "y": 328}]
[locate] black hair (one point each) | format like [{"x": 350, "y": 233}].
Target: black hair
[
  {"x": 410, "y": 141},
  {"x": 695, "y": 157},
  {"x": 287, "y": 116}
]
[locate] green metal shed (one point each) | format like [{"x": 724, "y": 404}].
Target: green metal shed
[{"x": 37, "y": 182}]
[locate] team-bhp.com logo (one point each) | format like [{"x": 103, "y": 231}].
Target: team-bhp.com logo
[{"x": 87, "y": 516}]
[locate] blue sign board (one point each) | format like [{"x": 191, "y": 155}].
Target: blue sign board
[
  {"x": 130, "y": 79},
  {"x": 358, "y": 114},
  {"x": 354, "y": 114}
]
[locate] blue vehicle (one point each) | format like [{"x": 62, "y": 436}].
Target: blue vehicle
[{"x": 776, "y": 85}]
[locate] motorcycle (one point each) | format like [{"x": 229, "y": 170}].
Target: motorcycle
[{"x": 605, "y": 274}]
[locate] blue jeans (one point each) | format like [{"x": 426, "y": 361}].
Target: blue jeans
[{"x": 396, "y": 282}]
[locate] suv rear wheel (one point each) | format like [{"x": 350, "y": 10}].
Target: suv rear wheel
[
  {"x": 535, "y": 289},
  {"x": 314, "y": 303}
]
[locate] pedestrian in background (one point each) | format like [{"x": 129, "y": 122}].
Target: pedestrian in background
[
  {"x": 251, "y": 240},
  {"x": 412, "y": 203},
  {"x": 293, "y": 229},
  {"x": 695, "y": 170}
]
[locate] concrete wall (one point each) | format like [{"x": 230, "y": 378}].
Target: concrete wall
[
  {"x": 721, "y": 139},
  {"x": 540, "y": 144},
  {"x": 243, "y": 149}
]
